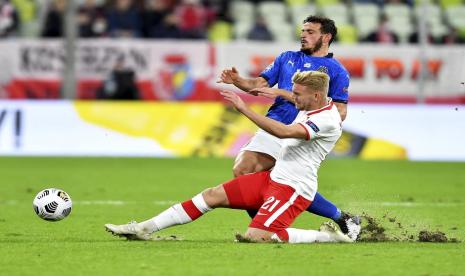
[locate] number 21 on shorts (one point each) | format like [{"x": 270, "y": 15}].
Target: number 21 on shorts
[{"x": 270, "y": 204}]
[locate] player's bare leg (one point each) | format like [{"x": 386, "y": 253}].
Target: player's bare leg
[
  {"x": 251, "y": 161},
  {"x": 216, "y": 197}
]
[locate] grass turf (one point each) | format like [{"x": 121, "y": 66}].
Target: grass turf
[{"x": 419, "y": 195}]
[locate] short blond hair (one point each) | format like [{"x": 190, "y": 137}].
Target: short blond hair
[{"x": 314, "y": 80}]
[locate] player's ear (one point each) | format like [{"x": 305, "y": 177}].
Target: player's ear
[
  {"x": 316, "y": 95},
  {"x": 327, "y": 38}
]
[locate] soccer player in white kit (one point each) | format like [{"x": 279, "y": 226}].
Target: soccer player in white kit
[
  {"x": 262, "y": 151},
  {"x": 280, "y": 195}
]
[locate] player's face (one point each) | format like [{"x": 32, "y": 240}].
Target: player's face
[
  {"x": 311, "y": 38},
  {"x": 302, "y": 96}
]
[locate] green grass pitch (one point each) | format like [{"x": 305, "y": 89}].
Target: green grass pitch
[{"x": 419, "y": 195}]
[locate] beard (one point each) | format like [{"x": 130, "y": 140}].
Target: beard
[{"x": 316, "y": 48}]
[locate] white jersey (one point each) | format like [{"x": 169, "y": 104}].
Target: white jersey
[{"x": 300, "y": 159}]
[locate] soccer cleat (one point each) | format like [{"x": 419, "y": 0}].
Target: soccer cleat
[
  {"x": 131, "y": 231},
  {"x": 349, "y": 225},
  {"x": 335, "y": 235}
]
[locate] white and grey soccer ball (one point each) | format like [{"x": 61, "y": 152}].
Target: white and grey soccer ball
[{"x": 52, "y": 204}]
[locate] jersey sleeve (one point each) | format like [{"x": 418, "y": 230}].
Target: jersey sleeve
[
  {"x": 339, "y": 87},
  {"x": 272, "y": 71},
  {"x": 311, "y": 128}
]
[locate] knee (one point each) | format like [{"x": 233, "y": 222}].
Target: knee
[
  {"x": 242, "y": 168},
  {"x": 215, "y": 197},
  {"x": 245, "y": 163},
  {"x": 210, "y": 197},
  {"x": 258, "y": 236}
]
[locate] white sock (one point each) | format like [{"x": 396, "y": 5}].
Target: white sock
[
  {"x": 176, "y": 215},
  {"x": 304, "y": 236},
  {"x": 200, "y": 203}
]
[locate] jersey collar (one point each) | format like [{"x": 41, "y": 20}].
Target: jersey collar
[{"x": 326, "y": 107}]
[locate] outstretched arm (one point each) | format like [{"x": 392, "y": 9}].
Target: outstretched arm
[
  {"x": 272, "y": 93},
  {"x": 271, "y": 126},
  {"x": 231, "y": 76}
]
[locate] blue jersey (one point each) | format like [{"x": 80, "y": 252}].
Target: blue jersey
[{"x": 283, "y": 68}]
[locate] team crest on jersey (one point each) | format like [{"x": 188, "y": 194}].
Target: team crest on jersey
[
  {"x": 313, "y": 126},
  {"x": 307, "y": 65},
  {"x": 323, "y": 69}
]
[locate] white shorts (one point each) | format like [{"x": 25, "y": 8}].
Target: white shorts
[{"x": 264, "y": 142}]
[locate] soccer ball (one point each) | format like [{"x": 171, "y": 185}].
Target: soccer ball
[{"x": 52, "y": 204}]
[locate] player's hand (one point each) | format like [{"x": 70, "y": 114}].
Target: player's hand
[
  {"x": 233, "y": 98},
  {"x": 229, "y": 76},
  {"x": 266, "y": 92}
]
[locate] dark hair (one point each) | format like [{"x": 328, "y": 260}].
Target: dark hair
[{"x": 327, "y": 25}]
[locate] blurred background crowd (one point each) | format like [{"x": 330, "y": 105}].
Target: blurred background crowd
[{"x": 221, "y": 20}]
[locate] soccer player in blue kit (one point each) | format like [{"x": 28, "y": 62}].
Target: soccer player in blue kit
[{"x": 262, "y": 151}]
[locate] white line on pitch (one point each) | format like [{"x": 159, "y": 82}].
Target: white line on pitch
[{"x": 103, "y": 202}]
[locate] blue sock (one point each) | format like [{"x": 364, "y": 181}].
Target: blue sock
[{"x": 322, "y": 207}]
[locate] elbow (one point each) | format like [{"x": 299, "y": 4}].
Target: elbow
[
  {"x": 343, "y": 116},
  {"x": 261, "y": 82}
]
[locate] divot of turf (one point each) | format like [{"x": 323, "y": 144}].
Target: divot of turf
[
  {"x": 373, "y": 231},
  {"x": 429, "y": 236}
]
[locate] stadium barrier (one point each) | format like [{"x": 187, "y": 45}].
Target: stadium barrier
[
  {"x": 188, "y": 70},
  {"x": 90, "y": 128}
]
